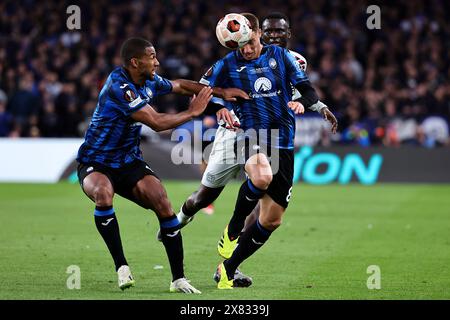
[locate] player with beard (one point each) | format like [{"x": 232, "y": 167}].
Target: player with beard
[{"x": 110, "y": 160}]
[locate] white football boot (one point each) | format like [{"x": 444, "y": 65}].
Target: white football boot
[
  {"x": 183, "y": 285},
  {"x": 125, "y": 278}
]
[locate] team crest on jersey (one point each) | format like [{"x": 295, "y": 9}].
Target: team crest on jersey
[
  {"x": 302, "y": 64},
  {"x": 262, "y": 85},
  {"x": 272, "y": 63},
  {"x": 130, "y": 95}
]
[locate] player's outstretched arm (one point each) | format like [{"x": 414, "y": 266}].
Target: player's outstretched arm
[
  {"x": 329, "y": 116},
  {"x": 310, "y": 100},
  {"x": 163, "y": 121},
  {"x": 189, "y": 87}
]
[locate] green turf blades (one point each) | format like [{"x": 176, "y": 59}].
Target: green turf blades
[{"x": 329, "y": 237}]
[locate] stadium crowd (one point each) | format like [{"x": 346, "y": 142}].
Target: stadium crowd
[{"x": 387, "y": 87}]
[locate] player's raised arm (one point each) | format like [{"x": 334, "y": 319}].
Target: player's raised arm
[
  {"x": 189, "y": 87},
  {"x": 163, "y": 121}
]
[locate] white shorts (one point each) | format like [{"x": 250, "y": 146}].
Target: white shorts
[{"x": 222, "y": 164}]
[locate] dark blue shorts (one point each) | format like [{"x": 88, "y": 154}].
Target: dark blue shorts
[{"x": 122, "y": 179}]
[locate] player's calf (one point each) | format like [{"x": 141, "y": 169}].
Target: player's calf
[
  {"x": 251, "y": 240},
  {"x": 173, "y": 243},
  {"x": 200, "y": 199},
  {"x": 108, "y": 227},
  {"x": 247, "y": 199}
]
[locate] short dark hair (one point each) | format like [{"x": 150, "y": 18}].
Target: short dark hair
[
  {"x": 278, "y": 16},
  {"x": 133, "y": 48},
  {"x": 254, "y": 22}
]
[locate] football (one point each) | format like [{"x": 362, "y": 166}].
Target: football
[{"x": 233, "y": 31}]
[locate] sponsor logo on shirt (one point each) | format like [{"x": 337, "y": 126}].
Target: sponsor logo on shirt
[
  {"x": 262, "y": 85},
  {"x": 259, "y": 70}
]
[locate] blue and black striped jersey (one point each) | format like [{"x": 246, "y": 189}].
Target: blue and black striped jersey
[
  {"x": 113, "y": 137},
  {"x": 267, "y": 80}
]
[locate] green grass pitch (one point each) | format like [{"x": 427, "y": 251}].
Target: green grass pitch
[{"x": 329, "y": 237}]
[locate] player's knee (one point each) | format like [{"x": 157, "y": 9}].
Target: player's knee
[
  {"x": 271, "y": 224},
  {"x": 103, "y": 195},
  {"x": 275, "y": 224},
  {"x": 262, "y": 181}
]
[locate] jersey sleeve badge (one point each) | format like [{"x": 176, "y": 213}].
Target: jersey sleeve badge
[{"x": 132, "y": 99}]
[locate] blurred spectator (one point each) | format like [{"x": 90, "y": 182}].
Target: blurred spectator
[
  {"x": 24, "y": 103},
  {"x": 355, "y": 129},
  {"x": 5, "y": 116},
  {"x": 434, "y": 131},
  {"x": 312, "y": 130},
  {"x": 49, "y": 121},
  {"x": 383, "y": 85}
]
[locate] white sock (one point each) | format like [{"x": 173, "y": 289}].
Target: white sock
[{"x": 182, "y": 218}]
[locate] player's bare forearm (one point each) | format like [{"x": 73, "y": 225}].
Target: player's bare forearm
[
  {"x": 189, "y": 87},
  {"x": 186, "y": 87},
  {"x": 161, "y": 121},
  {"x": 168, "y": 121}
]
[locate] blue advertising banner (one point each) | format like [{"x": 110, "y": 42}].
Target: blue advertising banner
[{"x": 371, "y": 165}]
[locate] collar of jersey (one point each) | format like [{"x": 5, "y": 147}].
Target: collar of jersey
[{"x": 128, "y": 77}]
